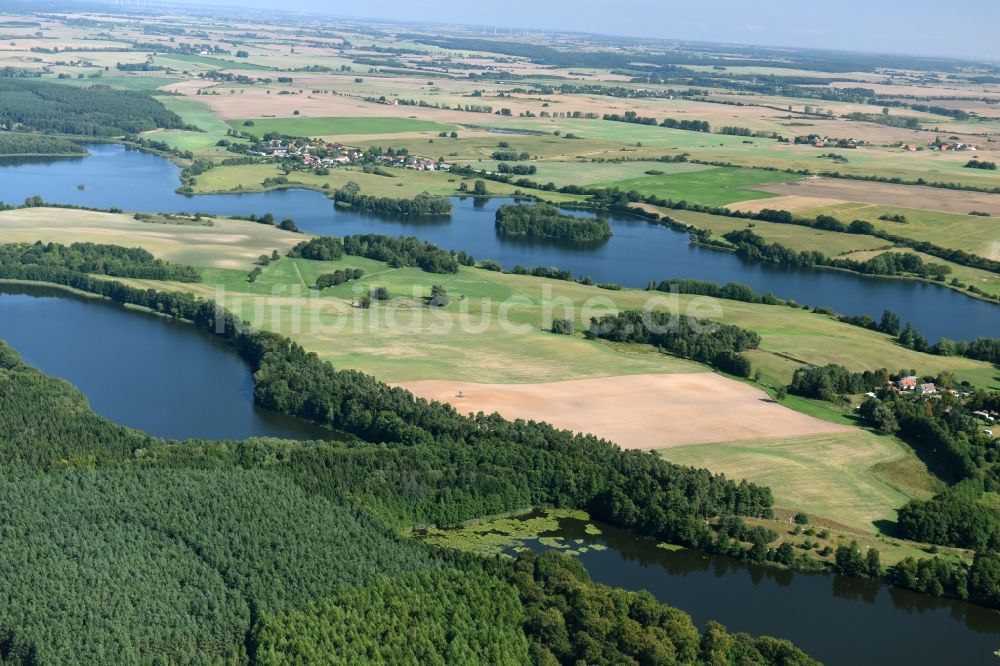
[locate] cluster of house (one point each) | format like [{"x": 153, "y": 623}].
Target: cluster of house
[
  {"x": 818, "y": 141},
  {"x": 943, "y": 146},
  {"x": 316, "y": 153},
  {"x": 989, "y": 417},
  {"x": 412, "y": 162},
  {"x": 911, "y": 383}
]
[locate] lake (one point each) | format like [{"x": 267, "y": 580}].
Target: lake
[
  {"x": 164, "y": 377},
  {"x": 637, "y": 253},
  {"x": 836, "y": 619}
]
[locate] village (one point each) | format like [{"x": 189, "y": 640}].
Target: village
[
  {"x": 922, "y": 389},
  {"x": 317, "y": 153}
]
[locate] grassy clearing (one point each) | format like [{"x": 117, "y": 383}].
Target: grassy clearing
[
  {"x": 715, "y": 187},
  {"x": 421, "y": 349},
  {"x": 826, "y": 475},
  {"x": 331, "y": 127},
  {"x": 405, "y": 340}
]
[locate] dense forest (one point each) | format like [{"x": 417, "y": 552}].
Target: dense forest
[
  {"x": 545, "y": 221},
  {"x": 95, "y": 111},
  {"x": 16, "y": 143}
]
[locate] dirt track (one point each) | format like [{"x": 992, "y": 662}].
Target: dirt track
[{"x": 637, "y": 411}]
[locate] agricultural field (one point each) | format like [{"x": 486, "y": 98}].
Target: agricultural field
[
  {"x": 718, "y": 186},
  {"x": 397, "y": 391},
  {"x": 829, "y": 475},
  {"x": 363, "y": 339},
  {"x": 399, "y": 182},
  {"x": 334, "y": 127}
]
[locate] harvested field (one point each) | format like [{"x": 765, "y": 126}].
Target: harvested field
[
  {"x": 637, "y": 411},
  {"x": 886, "y": 194},
  {"x": 225, "y": 244}
]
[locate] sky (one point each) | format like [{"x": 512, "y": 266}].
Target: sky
[{"x": 962, "y": 28}]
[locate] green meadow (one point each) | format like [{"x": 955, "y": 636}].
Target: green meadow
[
  {"x": 824, "y": 475},
  {"x": 716, "y": 186}
]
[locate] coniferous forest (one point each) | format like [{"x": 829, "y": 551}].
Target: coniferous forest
[{"x": 39, "y": 106}]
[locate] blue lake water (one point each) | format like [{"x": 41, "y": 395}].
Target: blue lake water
[{"x": 637, "y": 253}]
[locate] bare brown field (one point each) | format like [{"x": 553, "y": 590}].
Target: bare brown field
[
  {"x": 638, "y": 411},
  {"x": 256, "y": 103},
  {"x": 791, "y": 202},
  {"x": 884, "y": 194}
]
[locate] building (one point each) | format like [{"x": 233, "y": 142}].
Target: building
[
  {"x": 927, "y": 389},
  {"x": 907, "y": 383}
]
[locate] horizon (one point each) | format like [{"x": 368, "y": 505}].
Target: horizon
[{"x": 892, "y": 28}]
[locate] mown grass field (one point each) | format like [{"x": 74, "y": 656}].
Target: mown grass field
[
  {"x": 826, "y": 475},
  {"x": 331, "y": 127},
  {"x": 584, "y": 172},
  {"x": 717, "y": 186},
  {"x": 972, "y": 233},
  {"x": 202, "y": 143}
]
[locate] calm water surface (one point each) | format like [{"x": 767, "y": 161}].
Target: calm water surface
[
  {"x": 163, "y": 377},
  {"x": 836, "y": 619},
  {"x": 637, "y": 253}
]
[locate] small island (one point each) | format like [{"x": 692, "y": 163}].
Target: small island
[{"x": 545, "y": 221}]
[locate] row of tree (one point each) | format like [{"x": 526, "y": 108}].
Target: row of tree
[
  {"x": 92, "y": 258},
  {"x": 750, "y": 245},
  {"x": 718, "y": 345}
]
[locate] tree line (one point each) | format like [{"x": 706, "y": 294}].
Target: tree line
[
  {"x": 16, "y": 143},
  {"x": 110, "y": 260},
  {"x": 752, "y": 246},
  {"x": 718, "y": 345}
]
